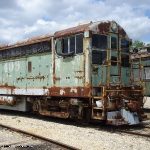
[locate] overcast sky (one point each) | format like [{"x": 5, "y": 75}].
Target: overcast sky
[{"x": 21, "y": 19}]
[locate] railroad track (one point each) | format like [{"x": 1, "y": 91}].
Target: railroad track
[
  {"x": 138, "y": 132},
  {"x": 62, "y": 145}
]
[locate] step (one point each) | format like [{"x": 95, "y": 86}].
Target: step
[
  {"x": 97, "y": 97},
  {"x": 97, "y": 108}
]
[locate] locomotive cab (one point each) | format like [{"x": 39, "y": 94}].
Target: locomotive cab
[{"x": 114, "y": 95}]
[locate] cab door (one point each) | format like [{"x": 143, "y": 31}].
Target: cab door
[{"x": 115, "y": 63}]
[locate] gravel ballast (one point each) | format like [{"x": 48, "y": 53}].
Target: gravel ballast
[
  {"x": 80, "y": 137},
  {"x": 10, "y": 140}
]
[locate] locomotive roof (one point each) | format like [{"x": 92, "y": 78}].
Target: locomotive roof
[
  {"x": 99, "y": 26},
  {"x": 33, "y": 40}
]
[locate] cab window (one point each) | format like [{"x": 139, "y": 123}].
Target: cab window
[
  {"x": 99, "y": 41},
  {"x": 113, "y": 43},
  {"x": 125, "y": 45},
  {"x": 79, "y": 43},
  {"x": 71, "y": 44},
  {"x": 65, "y": 45},
  {"x": 125, "y": 60},
  {"x": 98, "y": 57}
]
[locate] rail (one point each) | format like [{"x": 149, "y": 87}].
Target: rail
[
  {"x": 39, "y": 137},
  {"x": 147, "y": 135}
]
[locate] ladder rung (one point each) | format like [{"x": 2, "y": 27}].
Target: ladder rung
[{"x": 114, "y": 75}]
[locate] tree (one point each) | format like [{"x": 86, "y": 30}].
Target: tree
[
  {"x": 137, "y": 44},
  {"x": 148, "y": 44}
]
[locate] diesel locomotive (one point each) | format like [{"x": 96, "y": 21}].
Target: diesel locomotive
[
  {"x": 141, "y": 67},
  {"x": 81, "y": 73}
]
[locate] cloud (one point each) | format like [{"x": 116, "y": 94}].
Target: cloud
[
  {"x": 8, "y": 4},
  {"x": 21, "y": 19}
]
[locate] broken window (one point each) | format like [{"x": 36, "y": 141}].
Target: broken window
[
  {"x": 98, "y": 57},
  {"x": 125, "y": 45},
  {"x": 113, "y": 42},
  {"x": 99, "y": 41},
  {"x": 125, "y": 61}
]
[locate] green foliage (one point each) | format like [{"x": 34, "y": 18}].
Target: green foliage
[
  {"x": 138, "y": 44},
  {"x": 148, "y": 44}
]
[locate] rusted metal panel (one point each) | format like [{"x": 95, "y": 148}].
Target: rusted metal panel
[
  {"x": 101, "y": 27},
  {"x": 52, "y": 91},
  {"x": 69, "y": 72},
  {"x": 64, "y": 115},
  {"x": 7, "y": 100},
  {"x": 70, "y": 91},
  {"x": 70, "y": 31}
]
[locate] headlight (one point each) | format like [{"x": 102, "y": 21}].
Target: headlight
[{"x": 114, "y": 26}]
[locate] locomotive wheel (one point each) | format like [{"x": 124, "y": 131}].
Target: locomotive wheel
[
  {"x": 36, "y": 106},
  {"x": 86, "y": 115}
]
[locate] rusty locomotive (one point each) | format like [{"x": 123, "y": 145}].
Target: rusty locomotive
[
  {"x": 141, "y": 68},
  {"x": 81, "y": 73}
]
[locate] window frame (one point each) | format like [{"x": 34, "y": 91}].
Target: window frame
[
  {"x": 101, "y": 55},
  {"x": 116, "y": 42},
  {"x": 82, "y": 43},
  {"x": 125, "y": 49},
  {"x": 59, "y": 50},
  {"x": 107, "y": 46},
  {"x": 144, "y": 74},
  {"x": 124, "y": 62}
]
